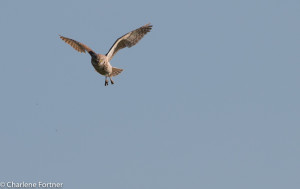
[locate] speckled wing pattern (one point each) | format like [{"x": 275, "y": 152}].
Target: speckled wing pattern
[
  {"x": 128, "y": 40},
  {"x": 80, "y": 47}
]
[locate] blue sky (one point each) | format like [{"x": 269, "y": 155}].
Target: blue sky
[{"x": 208, "y": 99}]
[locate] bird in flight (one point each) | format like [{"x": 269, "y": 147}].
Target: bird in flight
[{"x": 101, "y": 62}]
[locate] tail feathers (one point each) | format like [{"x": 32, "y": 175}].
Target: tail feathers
[{"x": 116, "y": 71}]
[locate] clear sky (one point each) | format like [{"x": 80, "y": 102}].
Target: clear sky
[{"x": 208, "y": 99}]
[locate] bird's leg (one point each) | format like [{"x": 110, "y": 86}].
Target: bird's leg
[
  {"x": 106, "y": 81},
  {"x": 112, "y": 82}
]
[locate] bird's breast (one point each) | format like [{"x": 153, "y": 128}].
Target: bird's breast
[{"x": 102, "y": 68}]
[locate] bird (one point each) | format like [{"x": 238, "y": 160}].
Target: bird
[{"x": 101, "y": 62}]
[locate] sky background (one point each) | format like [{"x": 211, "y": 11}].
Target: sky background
[{"x": 208, "y": 99}]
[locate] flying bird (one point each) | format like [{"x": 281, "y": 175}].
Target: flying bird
[{"x": 101, "y": 62}]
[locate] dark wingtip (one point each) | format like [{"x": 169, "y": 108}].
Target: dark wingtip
[
  {"x": 149, "y": 24},
  {"x": 149, "y": 27}
]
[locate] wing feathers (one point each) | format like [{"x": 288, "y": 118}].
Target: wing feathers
[
  {"x": 128, "y": 40},
  {"x": 80, "y": 47}
]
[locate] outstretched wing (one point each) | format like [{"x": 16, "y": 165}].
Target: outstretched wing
[
  {"x": 128, "y": 40},
  {"x": 80, "y": 47}
]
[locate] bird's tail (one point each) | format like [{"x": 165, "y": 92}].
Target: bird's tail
[{"x": 116, "y": 71}]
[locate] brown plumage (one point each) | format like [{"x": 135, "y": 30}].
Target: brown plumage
[{"x": 101, "y": 62}]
